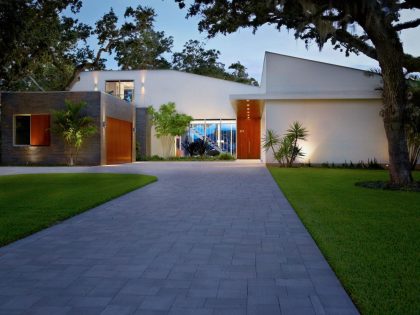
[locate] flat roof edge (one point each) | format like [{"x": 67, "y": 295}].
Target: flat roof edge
[{"x": 348, "y": 95}]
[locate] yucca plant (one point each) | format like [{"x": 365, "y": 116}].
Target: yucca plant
[
  {"x": 270, "y": 141},
  {"x": 286, "y": 149},
  {"x": 73, "y": 127},
  {"x": 295, "y": 133}
]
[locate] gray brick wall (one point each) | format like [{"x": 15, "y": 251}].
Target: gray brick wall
[
  {"x": 143, "y": 131},
  {"x": 46, "y": 103},
  {"x": 93, "y": 151}
]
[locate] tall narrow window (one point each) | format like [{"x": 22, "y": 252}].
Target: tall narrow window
[
  {"x": 32, "y": 130},
  {"x": 122, "y": 89},
  {"x": 23, "y": 130}
]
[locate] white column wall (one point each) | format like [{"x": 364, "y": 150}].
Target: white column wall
[
  {"x": 263, "y": 129},
  {"x": 339, "y": 130}
]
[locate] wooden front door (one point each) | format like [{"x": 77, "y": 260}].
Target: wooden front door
[
  {"x": 249, "y": 138},
  {"x": 118, "y": 141}
]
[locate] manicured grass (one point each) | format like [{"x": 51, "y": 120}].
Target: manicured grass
[
  {"x": 29, "y": 203},
  {"x": 371, "y": 238}
]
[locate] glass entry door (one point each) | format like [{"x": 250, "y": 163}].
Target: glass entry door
[{"x": 220, "y": 134}]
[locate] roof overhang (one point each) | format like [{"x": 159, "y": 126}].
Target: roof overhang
[{"x": 310, "y": 95}]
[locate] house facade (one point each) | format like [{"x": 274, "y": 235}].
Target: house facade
[{"x": 339, "y": 106}]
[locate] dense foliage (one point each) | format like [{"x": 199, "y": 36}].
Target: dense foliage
[
  {"x": 194, "y": 58},
  {"x": 44, "y": 47},
  {"x": 168, "y": 123},
  {"x": 413, "y": 123},
  {"x": 36, "y": 39}
]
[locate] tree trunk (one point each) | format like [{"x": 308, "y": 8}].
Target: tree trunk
[
  {"x": 394, "y": 98},
  {"x": 394, "y": 113},
  {"x": 168, "y": 145}
]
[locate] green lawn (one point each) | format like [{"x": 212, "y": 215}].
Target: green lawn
[
  {"x": 371, "y": 238},
  {"x": 29, "y": 203}
]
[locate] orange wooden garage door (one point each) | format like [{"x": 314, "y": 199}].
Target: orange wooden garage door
[{"x": 118, "y": 141}]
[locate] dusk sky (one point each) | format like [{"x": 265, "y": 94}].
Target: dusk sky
[{"x": 243, "y": 46}]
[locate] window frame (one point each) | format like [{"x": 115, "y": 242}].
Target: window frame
[
  {"x": 119, "y": 89},
  {"x": 14, "y": 130},
  {"x": 30, "y": 129}
]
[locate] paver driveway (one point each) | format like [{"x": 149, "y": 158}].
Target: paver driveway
[{"x": 207, "y": 238}]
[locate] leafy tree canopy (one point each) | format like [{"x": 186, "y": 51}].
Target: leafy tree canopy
[
  {"x": 41, "y": 46},
  {"x": 312, "y": 20},
  {"x": 167, "y": 121},
  {"x": 44, "y": 46},
  {"x": 195, "y": 58},
  {"x": 32, "y": 34},
  {"x": 142, "y": 47}
]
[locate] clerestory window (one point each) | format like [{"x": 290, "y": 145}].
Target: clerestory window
[{"x": 122, "y": 89}]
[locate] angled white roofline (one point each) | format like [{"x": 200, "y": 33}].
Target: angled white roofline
[
  {"x": 320, "y": 62},
  {"x": 307, "y": 94}
]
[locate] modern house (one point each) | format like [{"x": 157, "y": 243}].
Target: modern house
[{"x": 339, "y": 106}]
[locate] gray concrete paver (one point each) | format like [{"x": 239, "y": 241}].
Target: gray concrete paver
[{"x": 207, "y": 238}]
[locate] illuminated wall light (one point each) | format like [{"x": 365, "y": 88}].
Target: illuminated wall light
[
  {"x": 309, "y": 148},
  {"x": 142, "y": 88},
  {"x": 95, "y": 81}
]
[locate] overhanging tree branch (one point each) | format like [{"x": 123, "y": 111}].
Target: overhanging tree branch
[
  {"x": 406, "y": 25},
  {"x": 89, "y": 64},
  {"x": 410, "y": 4},
  {"x": 345, "y": 37},
  {"x": 412, "y": 64}
]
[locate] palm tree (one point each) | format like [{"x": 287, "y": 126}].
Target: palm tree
[{"x": 73, "y": 127}]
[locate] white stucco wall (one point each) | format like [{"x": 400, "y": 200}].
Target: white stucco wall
[
  {"x": 199, "y": 96},
  {"x": 291, "y": 75},
  {"x": 263, "y": 130},
  {"x": 339, "y": 130}
]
